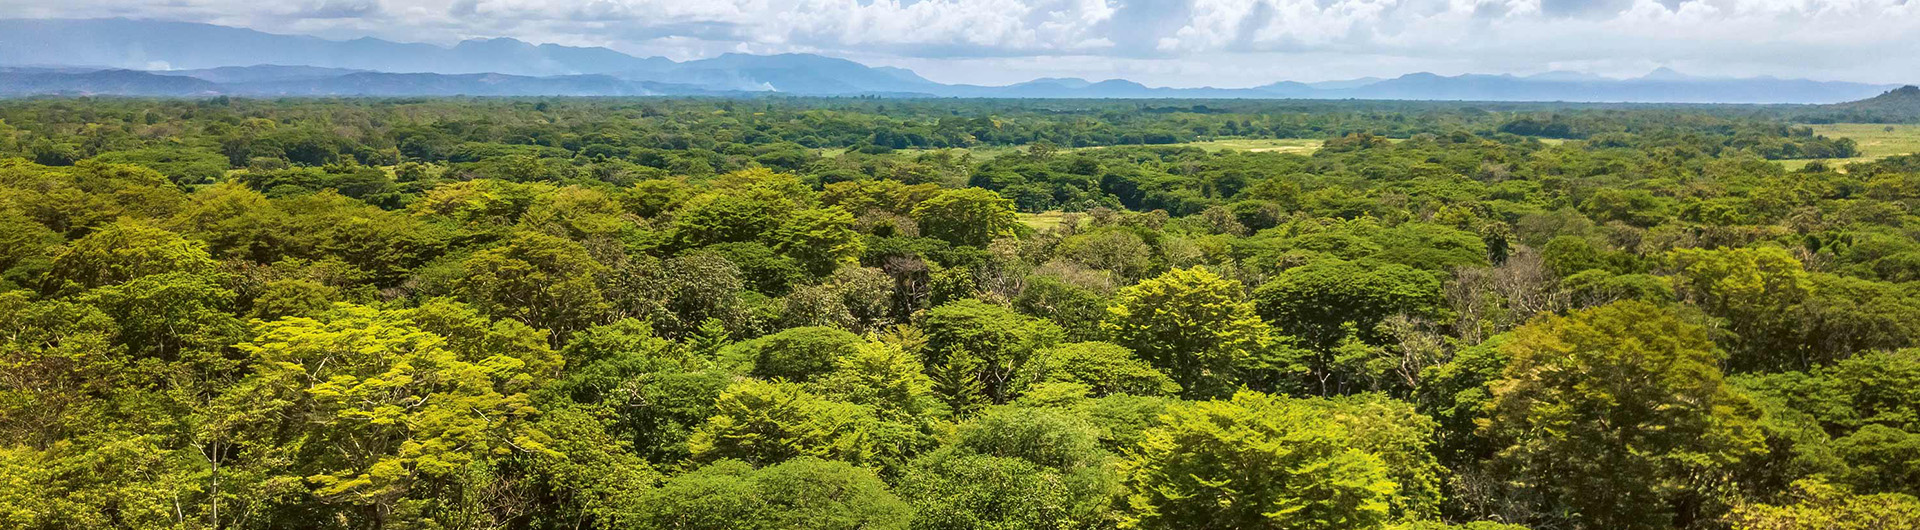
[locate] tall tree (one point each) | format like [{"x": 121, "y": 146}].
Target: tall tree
[
  {"x": 971, "y": 216},
  {"x": 1618, "y": 417},
  {"x": 1193, "y": 324}
]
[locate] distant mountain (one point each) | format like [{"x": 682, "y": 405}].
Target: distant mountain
[
  {"x": 1346, "y": 83},
  {"x": 161, "y": 45},
  {"x": 1665, "y": 74},
  {"x": 97, "y": 56},
  {"x": 1661, "y": 86},
  {"x": 792, "y": 73},
  {"x": 384, "y": 84},
  {"x": 1900, "y": 105},
  {"x": 1905, "y": 100},
  {"x": 128, "y": 82},
  {"x": 273, "y": 81},
  {"x": 260, "y": 73}
]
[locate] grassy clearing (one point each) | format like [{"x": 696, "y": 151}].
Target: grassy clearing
[
  {"x": 978, "y": 153},
  {"x": 1261, "y": 145},
  {"x": 1042, "y": 220},
  {"x": 1876, "y": 141},
  {"x": 1257, "y": 145}
]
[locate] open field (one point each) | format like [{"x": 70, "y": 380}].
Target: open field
[
  {"x": 1042, "y": 220},
  {"x": 1876, "y": 141},
  {"x": 1257, "y": 145},
  {"x": 1260, "y": 145},
  {"x": 987, "y": 152}
]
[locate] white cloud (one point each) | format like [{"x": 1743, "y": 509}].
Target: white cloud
[{"x": 1171, "y": 42}]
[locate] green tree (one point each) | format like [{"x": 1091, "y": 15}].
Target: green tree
[
  {"x": 802, "y": 493},
  {"x": 1758, "y": 291},
  {"x": 884, "y": 377},
  {"x": 993, "y": 342},
  {"x": 796, "y": 354},
  {"x": 654, "y": 391},
  {"x": 971, "y": 217},
  {"x": 373, "y": 417},
  {"x": 1194, "y": 325},
  {"x": 1256, "y": 461},
  {"x": 1618, "y": 417},
  {"x": 544, "y": 281},
  {"x": 764, "y": 423},
  {"x": 1105, "y": 368},
  {"x": 821, "y": 240},
  {"x": 1015, "y": 468},
  {"x": 1336, "y": 308},
  {"x": 125, "y": 250},
  {"x": 1820, "y": 506},
  {"x": 720, "y": 217}
]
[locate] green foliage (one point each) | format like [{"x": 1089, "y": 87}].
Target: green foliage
[
  {"x": 1756, "y": 290},
  {"x": 791, "y": 312},
  {"x": 795, "y": 354},
  {"x": 123, "y": 251},
  {"x": 371, "y": 415},
  {"x": 1196, "y": 326},
  {"x": 1821, "y": 506},
  {"x": 1257, "y": 461},
  {"x": 884, "y": 377},
  {"x": 545, "y": 281},
  {"x": 1015, "y": 468},
  {"x": 970, "y": 216},
  {"x": 765, "y": 423},
  {"x": 986, "y": 344},
  {"x": 1618, "y": 415},
  {"x": 655, "y": 393},
  {"x": 820, "y": 240},
  {"x": 1329, "y": 305},
  {"x": 1104, "y": 368},
  {"x": 1077, "y": 310},
  {"x": 803, "y": 493}
]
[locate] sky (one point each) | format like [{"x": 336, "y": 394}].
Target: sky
[{"x": 1180, "y": 43}]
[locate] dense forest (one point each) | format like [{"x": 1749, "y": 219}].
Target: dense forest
[{"x": 891, "y": 314}]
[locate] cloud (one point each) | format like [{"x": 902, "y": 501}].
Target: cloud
[{"x": 1176, "y": 42}]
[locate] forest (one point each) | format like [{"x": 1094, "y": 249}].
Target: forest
[{"x": 861, "y": 313}]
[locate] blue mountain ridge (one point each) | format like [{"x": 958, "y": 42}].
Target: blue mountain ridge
[{"x": 162, "y": 58}]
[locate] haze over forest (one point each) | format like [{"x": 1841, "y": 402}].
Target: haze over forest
[
  {"x": 82, "y": 56},
  {"x": 960, "y": 265}
]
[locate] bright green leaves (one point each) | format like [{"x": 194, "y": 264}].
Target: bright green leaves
[
  {"x": 1194, "y": 325},
  {"x": 970, "y": 216},
  {"x": 545, "y": 281},
  {"x": 1820, "y": 506},
  {"x": 804, "y": 493},
  {"x": 1618, "y": 413},
  {"x": 764, "y": 423},
  {"x": 1259, "y": 461},
  {"x": 123, "y": 251},
  {"x": 821, "y": 240},
  {"x": 370, "y": 409}
]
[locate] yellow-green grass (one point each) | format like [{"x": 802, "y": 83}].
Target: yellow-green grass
[
  {"x": 1043, "y": 220},
  {"x": 1257, "y": 145},
  {"x": 1876, "y": 141},
  {"x": 1261, "y": 145},
  {"x": 979, "y": 153}
]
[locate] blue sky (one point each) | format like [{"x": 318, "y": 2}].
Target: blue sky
[{"x": 1228, "y": 43}]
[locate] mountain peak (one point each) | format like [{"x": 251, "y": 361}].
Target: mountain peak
[
  {"x": 494, "y": 44},
  {"x": 1665, "y": 74}
]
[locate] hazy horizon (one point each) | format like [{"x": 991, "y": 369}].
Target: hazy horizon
[{"x": 1172, "y": 43}]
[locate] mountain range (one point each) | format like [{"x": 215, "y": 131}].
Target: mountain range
[{"x": 161, "y": 58}]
